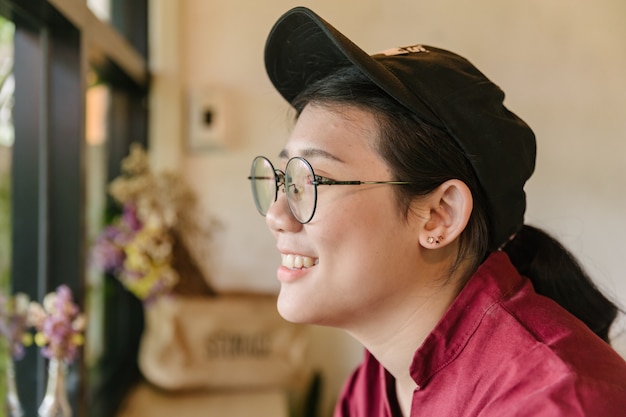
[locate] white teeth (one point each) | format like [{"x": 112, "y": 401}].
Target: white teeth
[{"x": 298, "y": 261}]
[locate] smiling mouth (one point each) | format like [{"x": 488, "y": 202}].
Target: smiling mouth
[{"x": 292, "y": 261}]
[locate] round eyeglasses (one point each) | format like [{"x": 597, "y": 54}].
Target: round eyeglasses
[{"x": 299, "y": 184}]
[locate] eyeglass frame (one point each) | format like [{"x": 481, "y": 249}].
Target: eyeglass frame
[{"x": 279, "y": 177}]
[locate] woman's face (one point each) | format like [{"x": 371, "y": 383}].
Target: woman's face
[{"x": 364, "y": 253}]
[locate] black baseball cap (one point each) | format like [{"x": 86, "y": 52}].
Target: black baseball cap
[{"x": 439, "y": 87}]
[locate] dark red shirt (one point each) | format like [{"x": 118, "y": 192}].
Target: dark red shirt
[{"x": 501, "y": 350}]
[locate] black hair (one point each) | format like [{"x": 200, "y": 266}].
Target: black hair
[
  {"x": 557, "y": 274},
  {"x": 428, "y": 156}
]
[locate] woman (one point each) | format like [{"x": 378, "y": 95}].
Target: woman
[{"x": 401, "y": 222}]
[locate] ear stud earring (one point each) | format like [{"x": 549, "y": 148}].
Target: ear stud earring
[{"x": 432, "y": 240}]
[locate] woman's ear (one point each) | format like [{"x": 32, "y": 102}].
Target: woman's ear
[{"x": 448, "y": 208}]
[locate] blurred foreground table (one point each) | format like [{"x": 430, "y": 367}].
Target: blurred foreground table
[{"x": 148, "y": 401}]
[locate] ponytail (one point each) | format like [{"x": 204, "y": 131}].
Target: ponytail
[{"x": 556, "y": 274}]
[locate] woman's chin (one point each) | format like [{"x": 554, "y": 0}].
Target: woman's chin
[{"x": 295, "y": 311}]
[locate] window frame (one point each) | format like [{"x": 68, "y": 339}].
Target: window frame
[{"x": 56, "y": 43}]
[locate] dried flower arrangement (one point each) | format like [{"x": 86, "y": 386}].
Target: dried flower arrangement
[
  {"x": 143, "y": 247},
  {"x": 59, "y": 327},
  {"x": 59, "y": 324}
]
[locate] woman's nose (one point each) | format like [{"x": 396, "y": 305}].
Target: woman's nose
[{"x": 279, "y": 216}]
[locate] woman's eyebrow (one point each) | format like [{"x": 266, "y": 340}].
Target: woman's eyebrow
[{"x": 312, "y": 152}]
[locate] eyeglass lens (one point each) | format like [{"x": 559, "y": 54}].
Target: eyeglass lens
[
  {"x": 299, "y": 187},
  {"x": 264, "y": 184},
  {"x": 301, "y": 191}
]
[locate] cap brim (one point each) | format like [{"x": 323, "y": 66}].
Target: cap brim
[{"x": 303, "y": 48}]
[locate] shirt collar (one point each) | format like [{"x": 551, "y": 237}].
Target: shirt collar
[{"x": 490, "y": 284}]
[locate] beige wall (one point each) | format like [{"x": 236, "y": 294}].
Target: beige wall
[{"x": 561, "y": 62}]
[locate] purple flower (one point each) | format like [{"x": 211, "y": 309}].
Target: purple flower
[
  {"x": 130, "y": 219},
  {"x": 107, "y": 253},
  {"x": 59, "y": 324},
  {"x": 14, "y": 323}
]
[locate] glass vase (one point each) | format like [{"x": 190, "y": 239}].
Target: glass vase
[
  {"x": 55, "y": 402},
  {"x": 13, "y": 406}
]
